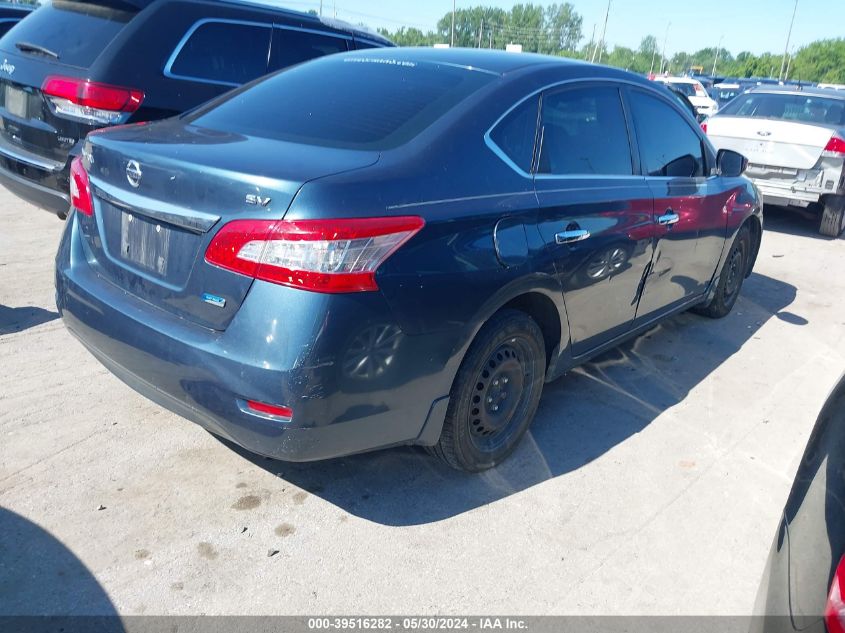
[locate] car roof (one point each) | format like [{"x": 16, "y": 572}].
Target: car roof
[
  {"x": 795, "y": 90},
  {"x": 21, "y": 8},
  {"x": 339, "y": 25}
]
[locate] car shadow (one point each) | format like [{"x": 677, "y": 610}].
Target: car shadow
[
  {"x": 44, "y": 586},
  {"x": 18, "y": 319},
  {"x": 793, "y": 221},
  {"x": 581, "y": 417}
]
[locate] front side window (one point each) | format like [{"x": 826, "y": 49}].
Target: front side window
[
  {"x": 668, "y": 145},
  {"x": 296, "y": 47},
  {"x": 584, "y": 133},
  {"x": 515, "y": 134},
  {"x": 224, "y": 52}
]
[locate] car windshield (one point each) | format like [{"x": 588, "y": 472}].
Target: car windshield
[
  {"x": 77, "y": 32},
  {"x": 353, "y": 102},
  {"x": 788, "y": 107},
  {"x": 684, "y": 88}
]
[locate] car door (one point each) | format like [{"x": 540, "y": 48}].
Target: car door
[
  {"x": 690, "y": 215},
  {"x": 595, "y": 211}
]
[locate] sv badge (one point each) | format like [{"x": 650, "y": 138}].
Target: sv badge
[{"x": 257, "y": 200}]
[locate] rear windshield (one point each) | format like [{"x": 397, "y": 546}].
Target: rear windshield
[
  {"x": 77, "y": 32},
  {"x": 354, "y": 102},
  {"x": 685, "y": 89},
  {"x": 788, "y": 107}
]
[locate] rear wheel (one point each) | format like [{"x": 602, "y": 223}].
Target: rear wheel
[
  {"x": 495, "y": 394},
  {"x": 833, "y": 216},
  {"x": 730, "y": 281}
]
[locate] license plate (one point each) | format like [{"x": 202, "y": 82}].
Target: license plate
[
  {"x": 16, "y": 101},
  {"x": 145, "y": 243}
]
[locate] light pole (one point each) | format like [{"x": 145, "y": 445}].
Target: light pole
[
  {"x": 604, "y": 31},
  {"x": 788, "y": 37},
  {"x": 665, "y": 40},
  {"x": 453, "y": 24},
  {"x": 716, "y": 59}
]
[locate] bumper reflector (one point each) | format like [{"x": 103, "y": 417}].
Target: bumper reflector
[{"x": 267, "y": 411}]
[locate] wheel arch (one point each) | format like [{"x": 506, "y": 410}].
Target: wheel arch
[{"x": 755, "y": 226}]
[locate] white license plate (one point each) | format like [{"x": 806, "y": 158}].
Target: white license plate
[{"x": 16, "y": 101}]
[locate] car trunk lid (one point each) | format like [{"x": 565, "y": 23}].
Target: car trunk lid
[
  {"x": 769, "y": 142},
  {"x": 161, "y": 193}
]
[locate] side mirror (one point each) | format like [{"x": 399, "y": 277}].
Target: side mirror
[{"x": 731, "y": 164}]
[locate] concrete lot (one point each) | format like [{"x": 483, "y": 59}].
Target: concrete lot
[{"x": 651, "y": 483}]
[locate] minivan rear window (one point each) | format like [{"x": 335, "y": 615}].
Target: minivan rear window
[
  {"x": 345, "y": 101},
  {"x": 76, "y": 31}
]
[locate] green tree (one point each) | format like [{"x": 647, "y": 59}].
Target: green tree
[{"x": 822, "y": 61}]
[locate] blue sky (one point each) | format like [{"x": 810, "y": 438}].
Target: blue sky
[{"x": 755, "y": 25}]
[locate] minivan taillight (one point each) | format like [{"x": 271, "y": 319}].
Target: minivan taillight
[
  {"x": 834, "y": 611},
  {"x": 89, "y": 101},
  {"x": 329, "y": 256},
  {"x": 80, "y": 188},
  {"x": 835, "y": 146}
]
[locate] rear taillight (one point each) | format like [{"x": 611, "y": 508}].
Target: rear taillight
[
  {"x": 704, "y": 127},
  {"x": 319, "y": 255},
  {"x": 835, "y": 146},
  {"x": 834, "y": 611},
  {"x": 90, "y": 101},
  {"x": 80, "y": 188}
]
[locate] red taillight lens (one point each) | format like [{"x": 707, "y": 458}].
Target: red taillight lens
[
  {"x": 704, "y": 127},
  {"x": 91, "y": 101},
  {"x": 80, "y": 188},
  {"x": 319, "y": 255},
  {"x": 834, "y": 612},
  {"x": 835, "y": 146}
]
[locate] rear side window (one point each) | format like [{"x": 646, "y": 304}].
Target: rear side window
[
  {"x": 223, "y": 52},
  {"x": 296, "y": 47},
  {"x": 516, "y": 133},
  {"x": 355, "y": 102},
  {"x": 668, "y": 145},
  {"x": 75, "y": 31},
  {"x": 584, "y": 133}
]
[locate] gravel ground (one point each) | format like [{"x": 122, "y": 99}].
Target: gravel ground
[{"x": 651, "y": 483}]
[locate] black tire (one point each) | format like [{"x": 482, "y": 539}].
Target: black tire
[
  {"x": 833, "y": 216},
  {"x": 730, "y": 281},
  {"x": 495, "y": 394}
]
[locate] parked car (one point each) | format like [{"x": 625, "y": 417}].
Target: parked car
[
  {"x": 310, "y": 285},
  {"x": 726, "y": 92},
  {"x": 11, "y": 14},
  {"x": 803, "y": 586},
  {"x": 73, "y": 67},
  {"x": 694, "y": 91},
  {"x": 795, "y": 142}
]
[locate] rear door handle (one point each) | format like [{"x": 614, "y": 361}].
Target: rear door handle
[
  {"x": 569, "y": 237},
  {"x": 669, "y": 218}
]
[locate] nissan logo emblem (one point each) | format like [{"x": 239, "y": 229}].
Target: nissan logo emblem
[{"x": 133, "y": 173}]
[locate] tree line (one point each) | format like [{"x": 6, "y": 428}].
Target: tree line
[{"x": 558, "y": 30}]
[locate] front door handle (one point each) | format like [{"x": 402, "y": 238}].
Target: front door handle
[
  {"x": 569, "y": 237},
  {"x": 669, "y": 218}
]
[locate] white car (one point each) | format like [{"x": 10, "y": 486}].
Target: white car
[
  {"x": 795, "y": 144},
  {"x": 693, "y": 90}
]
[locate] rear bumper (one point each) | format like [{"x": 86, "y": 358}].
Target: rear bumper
[
  {"x": 306, "y": 363},
  {"x": 787, "y": 193},
  {"x": 37, "y": 192}
]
